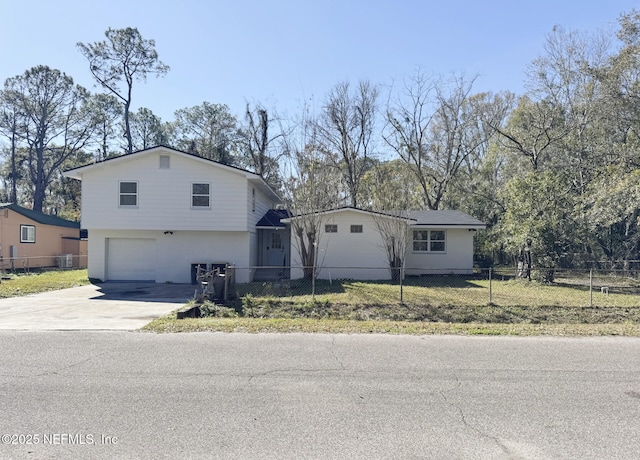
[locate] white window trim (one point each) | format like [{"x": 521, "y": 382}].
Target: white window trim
[
  {"x": 120, "y": 194},
  {"x": 192, "y": 195},
  {"x": 31, "y": 233},
  {"x": 428, "y": 241}
]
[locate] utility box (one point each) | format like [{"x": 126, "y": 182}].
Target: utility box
[{"x": 65, "y": 261}]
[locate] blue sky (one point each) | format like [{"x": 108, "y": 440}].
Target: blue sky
[{"x": 286, "y": 53}]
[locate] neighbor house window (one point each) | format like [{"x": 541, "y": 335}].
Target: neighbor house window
[
  {"x": 27, "y": 234},
  {"x": 429, "y": 241},
  {"x": 200, "y": 195},
  {"x": 356, "y": 229},
  {"x": 331, "y": 228},
  {"x": 128, "y": 193}
]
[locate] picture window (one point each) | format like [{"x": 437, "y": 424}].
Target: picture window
[{"x": 429, "y": 241}]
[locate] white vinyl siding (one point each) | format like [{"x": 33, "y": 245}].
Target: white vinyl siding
[
  {"x": 458, "y": 257},
  {"x": 164, "y": 197},
  {"x": 344, "y": 254}
]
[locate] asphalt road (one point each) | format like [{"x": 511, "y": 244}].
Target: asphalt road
[{"x": 241, "y": 396}]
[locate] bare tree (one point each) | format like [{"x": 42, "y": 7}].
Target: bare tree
[
  {"x": 345, "y": 132},
  {"x": 258, "y": 142},
  {"x": 125, "y": 55},
  {"x": 309, "y": 188},
  {"x": 533, "y": 130},
  {"x": 437, "y": 128}
]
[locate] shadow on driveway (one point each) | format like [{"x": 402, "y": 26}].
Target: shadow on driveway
[{"x": 145, "y": 292}]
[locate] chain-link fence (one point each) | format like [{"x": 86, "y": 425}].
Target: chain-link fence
[
  {"x": 482, "y": 287},
  {"x": 26, "y": 264}
]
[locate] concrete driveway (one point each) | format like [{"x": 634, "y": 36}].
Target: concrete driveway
[{"x": 107, "y": 306}]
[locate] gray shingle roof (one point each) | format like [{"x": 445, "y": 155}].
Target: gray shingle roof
[
  {"x": 455, "y": 218},
  {"x": 423, "y": 218}
]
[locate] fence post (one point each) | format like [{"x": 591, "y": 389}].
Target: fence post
[
  {"x": 591, "y": 287},
  {"x": 401, "y": 276},
  {"x": 490, "y": 288}
]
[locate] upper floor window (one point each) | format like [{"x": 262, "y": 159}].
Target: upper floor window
[
  {"x": 356, "y": 229},
  {"x": 200, "y": 195},
  {"x": 128, "y": 193},
  {"x": 429, "y": 241},
  {"x": 27, "y": 234},
  {"x": 331, "y": 228}
]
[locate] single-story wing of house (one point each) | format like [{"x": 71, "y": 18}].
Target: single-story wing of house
[{"x": 351, "y": 243}]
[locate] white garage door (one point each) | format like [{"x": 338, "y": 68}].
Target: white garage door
[{"x": 131, "y": 259}]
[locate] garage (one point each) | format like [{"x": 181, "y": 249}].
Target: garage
[{"x": 131, "y": 259}]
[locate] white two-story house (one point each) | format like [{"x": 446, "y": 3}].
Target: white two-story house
[
  {"x": 153, "y": 215},
  {"x": 156, "y": 214}
]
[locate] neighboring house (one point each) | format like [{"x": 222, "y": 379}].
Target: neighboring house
[
  {"x": 349, "y": 244},
  {"x": 155, "y": 214},
  {"x": 31, "y": 239}
]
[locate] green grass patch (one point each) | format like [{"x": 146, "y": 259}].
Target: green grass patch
[
  {"x": 300, "y": 325},
  {"x": 35, "y": 282},
  {"x": 430, "y": 305}
]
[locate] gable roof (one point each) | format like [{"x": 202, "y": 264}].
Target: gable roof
[
  {"x": 344, "y": 209},
  {"x": 421, "y": 218},
  {"x": 40, "y": 217},
  {"x": 255, "y": 179}
]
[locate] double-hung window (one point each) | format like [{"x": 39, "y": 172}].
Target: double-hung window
[
  {"x": 331, "y": 228},
  {"x": 200, "y": 195},
  {"x": 128, "y": 194},
  {"x": 429, "y": 241},
  {"x": 27, "y": 234}
]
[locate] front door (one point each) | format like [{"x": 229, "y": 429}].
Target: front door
[{"x": 276, "y": 249}]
